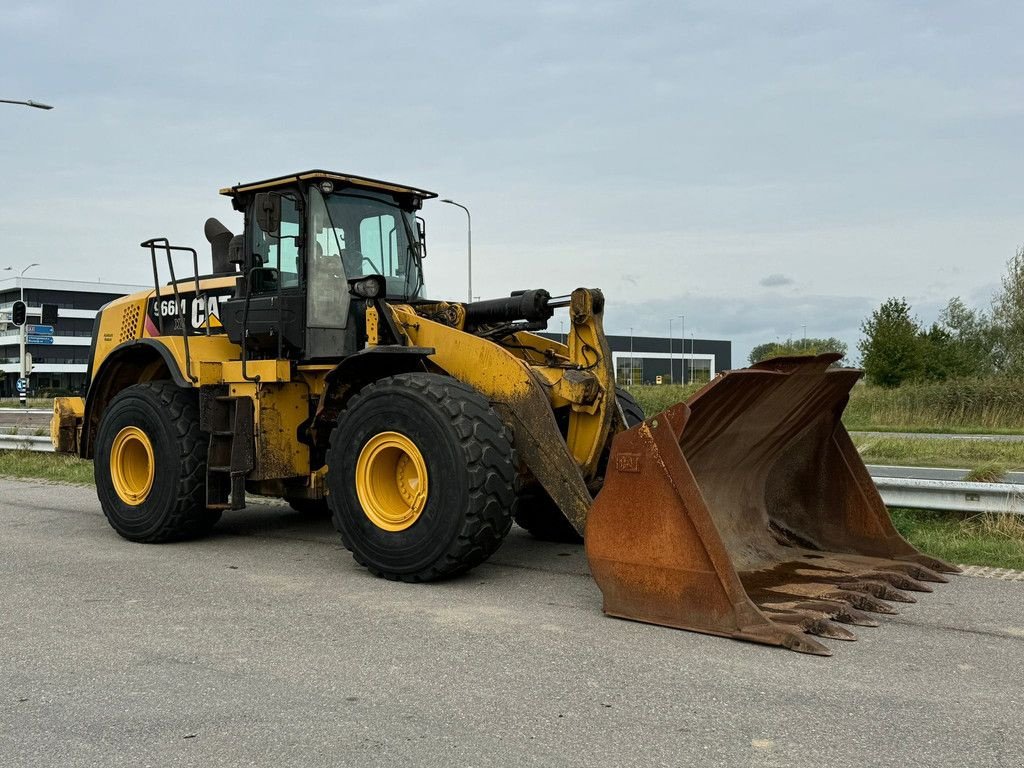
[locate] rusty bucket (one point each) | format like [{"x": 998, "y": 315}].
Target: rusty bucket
[{"x": 747, "y": 512}]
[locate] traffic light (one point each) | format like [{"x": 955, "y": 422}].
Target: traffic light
[
  {"x": 18, "y": 313},
  {"x": 49, "y": 314}
]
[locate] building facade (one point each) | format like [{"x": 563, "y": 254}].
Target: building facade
[
  {"x": 658, "y": 360},
  {"x": 59, "y": 365}
]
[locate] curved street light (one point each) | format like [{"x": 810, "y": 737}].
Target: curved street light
[
  {"x": 469, "y": 244},
  {"x": 28, "y": 103}
]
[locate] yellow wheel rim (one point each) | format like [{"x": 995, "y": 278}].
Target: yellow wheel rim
[
  {"x": 131, "y": 465},
  {"x": 391, "y": 481}
]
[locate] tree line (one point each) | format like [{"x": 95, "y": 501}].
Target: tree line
[{"x": 964, "y": 342}]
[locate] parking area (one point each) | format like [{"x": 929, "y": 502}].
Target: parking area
[{"x": 265, "y": 644}]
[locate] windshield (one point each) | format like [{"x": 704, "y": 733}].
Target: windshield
[{"x": 372, "y": 235}]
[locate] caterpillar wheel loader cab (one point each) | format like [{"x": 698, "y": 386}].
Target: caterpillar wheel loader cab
[{"x": 311, "y": 364}]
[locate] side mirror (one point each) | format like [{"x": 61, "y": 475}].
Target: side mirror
[
  {"x": 421, "y": 228},
  {"x": 263, "y": 279},
  {"x": 268, "y": 212}
]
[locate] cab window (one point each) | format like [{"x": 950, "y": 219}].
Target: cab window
[
  {"x": 378, "y": 243},
  {"x": 281, "y": 253}
]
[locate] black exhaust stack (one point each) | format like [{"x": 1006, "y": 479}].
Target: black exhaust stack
[{"x": 219, "y": 237}]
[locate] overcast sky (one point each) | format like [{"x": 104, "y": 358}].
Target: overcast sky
[{"x": 756, "y": 167}]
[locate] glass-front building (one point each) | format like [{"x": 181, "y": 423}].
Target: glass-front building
[
  {"x": 59, "y": 364},
  {"x": 658, "y": 360}
]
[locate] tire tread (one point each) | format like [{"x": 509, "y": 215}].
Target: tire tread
[{"x": 487, "y": 444}]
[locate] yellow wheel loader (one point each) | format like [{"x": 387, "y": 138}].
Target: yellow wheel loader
[{"x": 310, "y": 364}]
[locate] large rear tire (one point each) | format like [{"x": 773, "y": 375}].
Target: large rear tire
[
  {"x": 421, "y": 477},
  {"x": 150, "y": 464},
  {"x": 537, "y": 513}
]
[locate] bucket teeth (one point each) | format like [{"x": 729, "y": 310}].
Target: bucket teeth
[
  {"x": 811, "y": 622},
  {"x": 883, "y": 590},
  {"x": 902, "y": 581},
  {"x": 865, "y": 602},
  {"x": 836, "y": 609},
  {"x": 932, "y": 563},
  {"x": 799, "y": 642}
]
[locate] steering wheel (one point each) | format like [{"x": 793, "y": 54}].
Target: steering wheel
[{"x": 351, "y": 256}]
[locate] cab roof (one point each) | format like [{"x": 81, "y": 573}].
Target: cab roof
[{"x": 339, "y": 179}]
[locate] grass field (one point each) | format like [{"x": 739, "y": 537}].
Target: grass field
[
  {"x": 46, "y": 466},
  {"x": 927, "y": 452},
  {"x": 33, "y": 402},
  {"x": 993, "y": 540},
  {"x": 994, "y": 405}
]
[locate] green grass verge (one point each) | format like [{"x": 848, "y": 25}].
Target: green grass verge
[
  {"x": 60, "y": 467},
  {"x": 976, "y": 455},
  {"x": 33, "y": 402},
  {"x": 992, "y": 540},
  {"x": 654, "y": 398}
]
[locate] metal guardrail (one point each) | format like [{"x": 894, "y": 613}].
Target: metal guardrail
[
  {"x": 936, "y": 473},
  {"x": 26, "y": 443},
  {"x": 912, "y": 487},
  {"x": 951, "y": 495}
]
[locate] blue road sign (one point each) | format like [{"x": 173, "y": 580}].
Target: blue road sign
[
  {"x": 39, "y": 330},
  {"x": 21, "y": 385},
  {"x": 39, "y": 340}
]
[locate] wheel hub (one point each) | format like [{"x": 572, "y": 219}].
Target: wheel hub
[
  {"x": 391, "y": 481},
  {"x": 132, "y": 467}
]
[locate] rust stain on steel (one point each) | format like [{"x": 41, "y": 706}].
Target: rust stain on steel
[{"x": 747, "y": 512}]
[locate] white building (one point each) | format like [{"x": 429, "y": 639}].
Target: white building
[{"x": 61, "y": 364}]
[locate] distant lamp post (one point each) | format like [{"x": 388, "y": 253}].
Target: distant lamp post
[
  {"x": 631, "y": 356},
  {"x": 671, "y": 361},
  {"x": 21, "y": 336},
  {"x": 28, "y": 103},
  {"x": 469, "y": 245},
  {"x": 682, "y": 348}
]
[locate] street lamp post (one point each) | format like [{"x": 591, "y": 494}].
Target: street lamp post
[
  {"x": 469, "y": 245},
  {"x": 682, "y": 348},
  {"x": 21, "y": 335},
  {"x": 671, "y": 361},
  {"x": 27, "y": 103},
  {"x": 631, "y": 356}
]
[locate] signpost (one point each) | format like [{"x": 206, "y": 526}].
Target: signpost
[
  {"x": 39, "y": 330},
  {"x": 39, "y": 340}
]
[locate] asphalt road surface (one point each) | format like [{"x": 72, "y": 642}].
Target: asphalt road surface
[
  {"x": 24, "y": 420},
  {"x": 266, "y": 645}
]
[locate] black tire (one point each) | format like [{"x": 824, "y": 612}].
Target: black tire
[
  {"x": 538, "y": 514},
  {"x": 311, "y": 508},
  {"x": 631, "y": 409},
  {"x": 175, "y": 506},
  {"x": 470, "y": 466}
]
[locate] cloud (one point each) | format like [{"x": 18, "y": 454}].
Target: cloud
[{"x": 775, "y": 280}]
